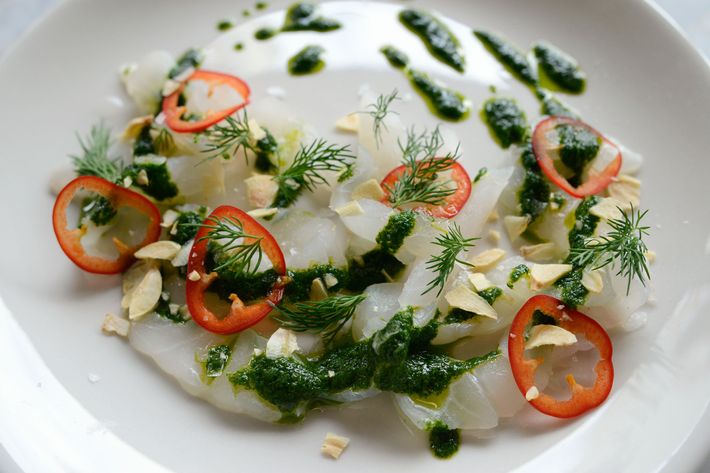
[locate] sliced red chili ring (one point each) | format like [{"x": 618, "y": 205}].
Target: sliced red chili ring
[
  {"x": 240, "y": 316},
  {"x": 452, "y": 204},
  {"x": 174, "y": 112},
  {"x": 70, "y": 238},
  {"x": 583, "y": 398},
  {"x": 542, "y": 147}
]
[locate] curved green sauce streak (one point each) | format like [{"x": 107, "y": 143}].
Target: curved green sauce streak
[
  {"x": 506, "y": 121},
  {"x": 440, "y": 42},
  {"x": 446, "y": 103},
  {"x": 306, "y": 61},
  {"x": 512, "y": 59},
  {"x": 395, "y": 57},
  {"x": 300, "y": 17},
  {"x": 558, "y": 69},
  {"x": 443, "y": 442},
  {"x": 516, "y": 273},
  {"x": 534, "y": 194},
  {"x": 399, "y": 226},
  {"x": 551, "y": 105}
]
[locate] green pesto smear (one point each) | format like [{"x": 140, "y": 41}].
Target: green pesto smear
[
  {"x": 98, "y": 209},
  {"x": 396, "y": 359},
  {"x": 190, "y": 58},
  {"x": 551, "y": 105},
  {"x": 534, "y": 194},
  {"x": 509, "y": 56},
  {"x": 306, "y": 61},
  {"x": 187, "y": 224},
  {"x": 395, "y": 57},
  {"x": 578, "y": 147},
  {"x": 572, "y": 292},
  {"x": 225, "y": 25},
  {"x": 300, "y": 17},
  {"x": 440, "y": 42},
  {"x": 443, "y": 442},
  {"x": 517, "y": 273},
  {"x": 558, "y": 70},
  {"x": 399, "y": 226},
  {"x": 505, "y": 120},
  {"x": 156, "y": 180},
  {"x": 215, "y": 362}
]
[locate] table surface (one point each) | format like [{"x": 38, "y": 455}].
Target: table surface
[{"x": 17, "y": 16}]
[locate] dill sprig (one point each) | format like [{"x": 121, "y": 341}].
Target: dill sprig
[
  {"x": 452, "y": 243},
  {"x": 420, "y": 183},
  {"x": 622, "y": 245},
  {"x": 95, "y": 161},
  {"x": 305, "y": 172},
  {"x": 379, "y": 110},
  {"x": 240, "y": 249},
  {"x": 326, "y": 316},
  {"x": 227, "y": 139}
]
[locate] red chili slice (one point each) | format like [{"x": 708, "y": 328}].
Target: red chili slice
[
  {"x": 542, "y": 146},
  {"x": 173, "y": 112},
  {"x": 453, "y": 203},
  {"x": 240, "y": 316},
  {"x": 583, "y": 398},
  {"x": 70, "y": 238}
]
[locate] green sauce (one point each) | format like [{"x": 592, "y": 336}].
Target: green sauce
[
  {"x": 505, "y": 120},
  {"x": 187, "y": 224},
  {"x": 511, "y": 58},
  {"x": 266, "y": 157},
  {"x": 190, "y": 58},
  {"x": 395, "y": 57},
  {"x": 225, "y": 25},
  {"x": 559, "y": 68},
  {"x": 391, "y": 344},
  {"x": 440, "y": 42},
  {"x": 491, "y": 294},
  {"x": 160, "y": 185},
  {"x": 457, "y": 315},
  {"x": 378, "y": 266},
  {"x": 541, "y": 318},
  {"x": 163, "y": 310},
  {"x": 399, "y": 226},
  {"x": 516, "y": 273},
  {"x": 446, "y": 103},
  {"x": 98, "y": 209},
  {"x": 353, "y": 367},
  {"x": 216, "y": 361},
  {"x": 239, "y": 46},
  {"x": 551, "y": 105},
  {"x": 261, "y": 5},
  {"x": 300, "y": 17},
  {"x": 300, "y": 286},
  {"x": 534, "y": 193},
  {"x": 306, "y": 61},
  {"x": 144, "y": 142},
  {"x": 443, "y": 442},
  {"x": 578, "y": 147},
  {"x": 263, "y": 34}
]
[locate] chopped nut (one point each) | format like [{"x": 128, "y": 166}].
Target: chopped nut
[
  {"x": 493, "y": 216},
  {"x": 349, "y": 123},
  {"x": 135, "y": 126},
  {"x": 544, "y": 275},
  {"x": 479, "y": 281},
  {"x": 146, "y": 295},
  {"x": 194, "y": 276},
  {"x": 117, "y": 325},
  {"x": 318, "y": 290},
  {"x": 369, "y": 189},
  {"x": 132, "y": 278},
  {"x": 494, "y": 236},
  {"x": 127, "y": 181},
  {"x": 261, "y": 190},
  {"x": 263, "y": 213},
  {"x": 607, "y": 208},
  {"x": 256, "y": 131},
  {"x": 592, "y": 281},
  {"x": 283, "y": 342},
  {"x": 182, "y": 256},
  {"x": 488, "y": 259},
  {"x": 330, "y": 280},
  {"x": 549, "y": 335},
  {"x": 532, "y": 394},
  {"x": 515, "y": 225},
  {"x": 163, "y": 250},
  {"x": 464, "y": 298},
  {"x": 650, "y": 256},
  {"x": 351, "y": 209},
  {"x": 539, "y": 252},
  {"x": 627, "y": 190},
  {"x": 169, "y": 218},
  {"x": 333, "y": 445},
  {"x": 142, "y": 178}
]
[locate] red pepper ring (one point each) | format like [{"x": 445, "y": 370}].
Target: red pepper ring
[
  {"x": 583, "y": 398},
  {"x": 173, "y": 113},
  {"x": 452, "y": 204},
  {"x": 541, "y": 146},
  {"x": 70, "y": 239},
  {"x": 240, "y": 316}
]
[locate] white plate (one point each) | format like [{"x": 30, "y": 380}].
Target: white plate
[{"x": 647, "y": 87}]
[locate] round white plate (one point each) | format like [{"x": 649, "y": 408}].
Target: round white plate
[{"x": 647, "y": 87}]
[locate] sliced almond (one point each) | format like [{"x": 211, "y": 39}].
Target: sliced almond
[
  {"x": 142, "y": 178},
  {"x": 515, "y": 225},
  {"x": 494, "y": 236},
  {"x": 146, "y": 295},
  {"x": 261, "y": 190},
  {"x": 464, "y": 298},
  {"x": 369, "y": 189},
  {"x": 114, "y": 324},
  {"x": 541, "y": 335},
  {"x": 479, "y": 281},
  {"x": 282, "y": 343},
  {"x": 351, "y": 209},
  {"x": 263, "y": 213},
  {"x": 532, "y": 394},
  {"x": 169, "y": 218},
  {"x": 627, "y": 190},
  {"x": 349, "y": 123},
  {"x": 330, "y": 280},
  {"x": 607, "y": 208},
  {"x": 162, "y": 250},
  {"x": 592, "y": 281},
  {"x": 194, "y": 276},
  {"x": 488, "y": 259},
  {"x": 540, "y": 252},
  {"x": 135, "y": 126},
  {"x": 650, "y": 256},
  {"x": 132, "y": 277},
  {"x": 318, "y": 290},
  {"x": 333, "y": 445},
  {"x": 256, "y": 132},
  {"x": 182, "y": 256},
  {"x": 544, "y": 275}
]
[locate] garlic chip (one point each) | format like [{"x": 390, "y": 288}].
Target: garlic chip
[{"x": 162, "y": 250}]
